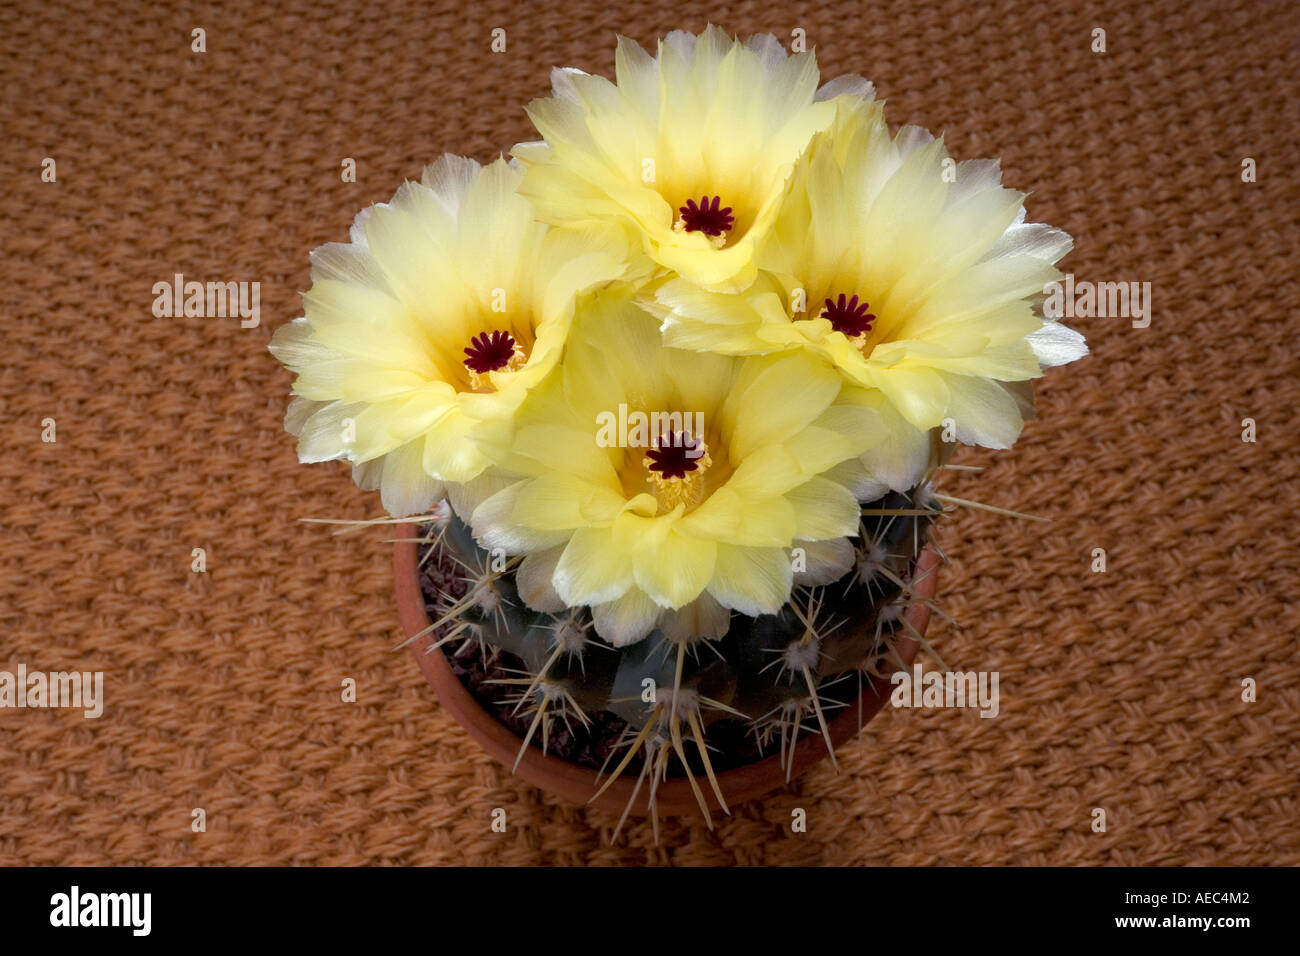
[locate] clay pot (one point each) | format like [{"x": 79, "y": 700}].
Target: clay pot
[{"x": 576, "y": 784}]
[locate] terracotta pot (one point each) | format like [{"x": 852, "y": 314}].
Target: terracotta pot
[{"x": 576, "y": 784}]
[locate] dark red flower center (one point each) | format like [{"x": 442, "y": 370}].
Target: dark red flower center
[
  {"x": 675, "y": 455},
  {"x": 848, "y": 316},
  {"x": 489, "y": 351},
  {"x": 707, "y": 218}
]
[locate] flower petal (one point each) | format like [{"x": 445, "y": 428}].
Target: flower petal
[
  {"x": 591, "y": 570},
  {"x": 752, "y": 581}
]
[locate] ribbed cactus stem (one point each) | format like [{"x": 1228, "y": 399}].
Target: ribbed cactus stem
[{"x": 771, "y": 671}]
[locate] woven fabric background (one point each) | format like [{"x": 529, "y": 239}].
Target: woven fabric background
[{"x": 1120, "y": 690}]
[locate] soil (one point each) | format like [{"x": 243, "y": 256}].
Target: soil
[{"x": 731, "y": 743}]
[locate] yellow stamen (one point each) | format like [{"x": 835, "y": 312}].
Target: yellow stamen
[
  {"x": 686, "y": 490},
  {"x": 482, "y": 382},
  {"x": 718, "y": 241}
]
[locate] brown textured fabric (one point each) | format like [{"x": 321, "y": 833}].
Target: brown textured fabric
[{"x": 1119, "y": 690}]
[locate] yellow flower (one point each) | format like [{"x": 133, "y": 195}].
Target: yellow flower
[
  {"x": 916, "y": 277},
  {"x": 446, "y": 307},
  {"x": 690, "y": 150},
  {"x": 664, "y": 487}
]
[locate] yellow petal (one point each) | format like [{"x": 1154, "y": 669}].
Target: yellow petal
[
  {"x": 591, "y": 570},
  {"x": 675, "y": 570},
  {"x": 782, "y": 396},
  {"x": 627, "y": 619},
  {"x": 823, "y": 509},
  {"x": 534, "y": 581},
  {"x": 752, "y": 581}
]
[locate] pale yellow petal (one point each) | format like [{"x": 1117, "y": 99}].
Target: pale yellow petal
[
  {"x": 591, "y": 570},
  {"x": 752, "y": 581}
]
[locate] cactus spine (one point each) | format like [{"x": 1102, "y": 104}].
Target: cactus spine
[{"x": 770, "y": 672}]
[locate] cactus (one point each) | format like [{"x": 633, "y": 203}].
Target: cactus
[
  {"x": 770, "y": 672},
  {"x": 486, "y": 336}
]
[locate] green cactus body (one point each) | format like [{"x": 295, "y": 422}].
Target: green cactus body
[{"x": 768, "y": 672}]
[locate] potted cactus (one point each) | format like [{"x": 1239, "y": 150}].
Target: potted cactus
[{"x": 661, "y": 403}]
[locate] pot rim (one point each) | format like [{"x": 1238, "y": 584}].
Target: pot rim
[{"x": 576, "y": 784}]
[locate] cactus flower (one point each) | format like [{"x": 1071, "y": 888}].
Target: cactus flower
[
  {"x": 690, "y": 149},
  {"x": 655, "y": 523},
  {"x": 446, "y": 307},
  {"x": 915, "y": 276}
]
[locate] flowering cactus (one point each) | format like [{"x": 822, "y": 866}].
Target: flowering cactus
[{"x": 669, "y": 387}]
